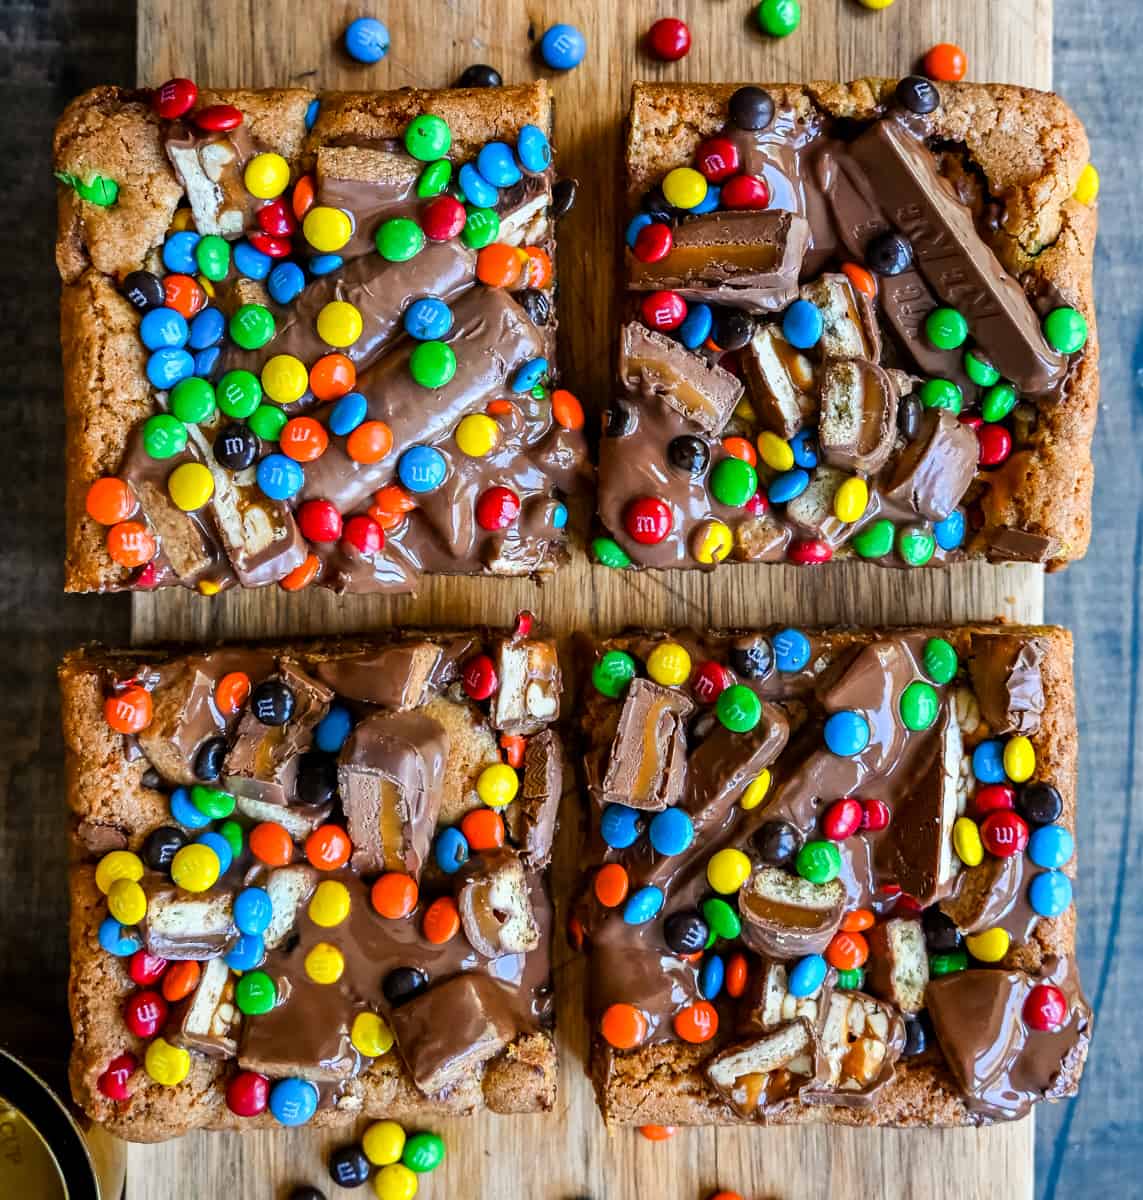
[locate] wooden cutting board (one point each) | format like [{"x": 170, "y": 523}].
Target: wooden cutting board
[{"x": 568, "y": 1154}]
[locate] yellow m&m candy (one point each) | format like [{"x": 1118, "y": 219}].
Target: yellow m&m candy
[
  {"x": 329, "y": 904},
  {"x": 851, "y": 500},
  {"x": 371, "y": 1035},
  {"x": 267, "y": 176},
  {"x": 339, "y": 324},
  {"x": 1087, "y": 186},
  {"x": 669, "y": 664},
  {"x": 711, "y": 542},
  {"x": 727, "y": 871},
  {"x": 967, "y": 843},
  {"x": 684, "y": 187},
  {"x": 989, "y": 946},
  {"x": 195, "y": 868},
  {"x": 119, "y": 864},
  {"x": 1019, "y": 759},
  {"x": 774, "y": 452},
  {"x": 327, "y": 229},
  {"x": 876, "y": 5},
  {"x": 325, "y": 963},
  {"x": 285, "y": 378},
  {"x": 497, "y": 785},
  {"x": 395, "y": 1182},
  {"x": 383, "y": 1143},
  {"x": 166, "y": 1064},
  {"x": 127, "y": 902},
  {"x": 190, "y": 486},
  {"x": 756, "y": 791},
  {"x": 477, "y": 435}
]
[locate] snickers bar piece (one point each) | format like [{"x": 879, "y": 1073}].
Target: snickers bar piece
[
  {"x": 858, "y": 323},
  {"x": 851, "y": 898},
  {"x": 309, "y": 339},
  {"x": 308, "y": 880}
]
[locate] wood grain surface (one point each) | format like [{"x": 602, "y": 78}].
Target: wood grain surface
[{"x": 568, "y": 1154}]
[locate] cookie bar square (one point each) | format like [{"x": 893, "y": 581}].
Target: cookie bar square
[
  {"x": 859, "y": 322},
  {"x": 309, "y": 338},
  {"x": 831, "y": 876},
  {"x": 308, "y": 880}
]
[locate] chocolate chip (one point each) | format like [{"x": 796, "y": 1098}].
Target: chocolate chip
[
  {"x": 888, "y": 254},
  {"x": 144, "y": 290},
  {"x": 751, "y": 658},
  {"x": 909, "y": 418},
  {"x": 751, "y": 108},
  {"x": 536, "y": 304},
  {"x": 209, "y": 759},
  {"x": 941, "y": 933},
  {"x": 917, "y": 94},
  {"x": 272, "y": 702},
  {"x": 685, "y": 932},
  {"x": 236, "y": 447},
  {"x": 563, "y": 196},
  {"x": 317, "y": 779},
  {"x": 777, "y": 842},
  {"x": 689, "y": 454},
  {"x": 402, "y": 984},
  {"x": 479, "y": 75},
  {"x": 153, "y": 780},
  {"x": 162, "y": 845},
  {"x": 1040, "y": 804},
  {"x": 732, "y": 329},
  {"x": 348, "y": 1167},
  {"x": 620, "y": 420},
  {"x": 918, "y": 1031}
]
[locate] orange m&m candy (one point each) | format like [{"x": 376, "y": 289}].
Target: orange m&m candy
[
  {"x": 301, "y": 576},
  {"x": 499, "y": 265},
  {"x": 483, "y": 829},
  {"x": 131, "y": 544},
  {"x": 698, "y": 1022},
  {"x": 184, "y": 295},
  {"x": 736, "y": 974},
  {"x": 302, "y": 199},
  {"x": 303, "y": 439},
  {"x": 231, "y": 692},
  {"x": 861, "y": 279},
  {"x": 726, "y": 1196},
  {"x": 271, "y": 844},
  {"x": 180, "y": 979},
  {"x": 611, "y": 884},
  {"x": 513, "y": 746},
  {"x": 658, "y": 1133},
  {"x": 623, "y": 1026},
  {"x": 945, "y": 62},
  {"x": 857, "y": 920},
  {"x": 847, "y": 951},
  {"x": 566, "y": 409},
  {"x": 441, "y": 921},
  {"x": 740, "y": 447},
  {"x": 394, "y": 895},
  {"x": 110, "y": 500},
  {"x": 390, "y": 504},
  {"x": 539, "y": 267},
  {"x": 328, "y": 847},
  {"x": 129, "y": 711},
  {"x": 369, "y": 442},
  {"x": 332, "y": 376}
]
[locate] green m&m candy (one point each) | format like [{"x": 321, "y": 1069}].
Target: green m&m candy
[
  {"x": 721, "y": 918},
  {"x": 164, "y": 436},
  {"x": 434, "y": 179},
  {"x": 252, "y": 326},
  {"x": 946, "y": 964},
  {"x": 941, "y": 393},
  {"x": 213, "y": 257},
  {"x": 399, "y": 239},
  {"x": 779, "y": 18},
  {"x": 946, "y": 328},
  {"x": 998, "y": 401},
  {"x": 851, "y": 979},
  {"x": 100, "y": 190},
  {"x": 238, "y": 394},
  {"x": 733, "y": 482},
  {"x": 423, "y": 1152},
  {"x": 919, "y": 705},
  {"x": 1065, "y": 330},
  {"x": 255, "y": 993},
  {"x": 428, "y": 137},
  {"x": 268, "y": 421},
  {"x": 432, "y": 364},
  {"x": 818, "y": 861},
  {"x": 940, "y": 660},
  {"x": 738, "y": 708},
  {"x": 192, "y": 400},
  {"x": 916, "y": 545},
  {"x": 234, "y": 836},
  {"x": 610, "y": 553},
  {"x": 980, "y": 370},
  {"x": 212, "y": 802},
  {"x": 613, "y": 673},
  {"x": 481, "y": 228},
  {"x": 876, "y": 540}
]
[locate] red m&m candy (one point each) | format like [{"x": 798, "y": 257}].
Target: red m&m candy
[
  {"x": 248, "y": 1093},
  {"x": 652, "y": 242},
  {"x": 443, "y": 218},
  {"x": 175, "y": 98},
  {"x": 479, "y": 677},
  {"x": 709, "y": 682},
  {"x": 497, "y": 508},
  {"x": 265, "y": 243},
  {"x": 664, "y": 310},
  {"x": 145, "y": 968},
  {"x": 809, "y": 552},
  {"x": 875, "y": 815},
  {"x": 745, "y": 191},
  {"x": 1045, "y": 1009},
  {"x": 1004, "y": 833},
  {"x": 717, "y": 159},
  {"x": 647, "y": 520},
  {"x": 363, "y": 534},
  {"x": 994, "y": 796},
  {"x": 319, "y": 521},
  {"x": 113, "y": 1081},
  {"x": 218, "y": 118},
  {"x": 669, "y": 39},
  {"x": 995, "y": 444},
  {"x": 276, "y": 219},
  {"x": 842, "y": 819},
  {"x": 145, "y": 1013}
]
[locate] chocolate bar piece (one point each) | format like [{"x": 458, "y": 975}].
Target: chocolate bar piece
[
  {"x": 858, "y": 415},
  {"x": 787, "y": 917},
  {"x": 763, "y": 1077},
  {"x": 1009, "y": 687},
  {"x": 496, "y": 908},
  {"x": 535, "y": 815},
  {"x": 861, "y": 1040},
  {"x": 646, "y": 768},
  {"x": 932, "y": 473},
  {"x": 528, "y": 686},
  {"x": 781, "y": 382},
  {"x": 211, "y": 1017},
  {"x": 181, "y": 926},
  {"x": 400, "y": 677},
  {"x": 898, "y": 963}
]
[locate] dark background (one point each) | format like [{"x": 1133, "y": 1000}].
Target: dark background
[{"x": 52, "y": 49}]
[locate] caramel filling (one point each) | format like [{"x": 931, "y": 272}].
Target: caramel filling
[
  {"x": 681, "y": 389},
  {"x": 391, "y": 825},
  {"x": 777, "y": 913},
  {"x": 651, "y": 760},
  {"x": 703, "y": 262}
]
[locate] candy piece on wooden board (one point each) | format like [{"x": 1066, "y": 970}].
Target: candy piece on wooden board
[
  {"x": 898, "y": 966},
  {"x": 786, "y": 916},
  {"x": 861, "y": 1041},
  {"x": 763, "y": 1076},
  {"x": 496, "y": 909},
  {"x": 210, "y": 1017},
  {"x": 858, "y": 415},
  {"x": 180, "y": 926},
  {"x": 401, "y": 676},
  {"x": 532, "y": 818},
  {"x": 647, "y": 763},
  {"x": 780, "y": 382},
  {"x": 530, "y": 683}
]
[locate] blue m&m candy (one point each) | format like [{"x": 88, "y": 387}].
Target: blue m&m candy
[
  {"x": 788, "y": 486},
  {"x": 185, "y": 812},
  {"x": 428, "y": 320},
  {"x": 1050, "y": 893},
  {"x": 163, "y": 327},
  {"x": 1051, "y": 846},
  {"x": 791, "y": 650},
  {"x": 451, "y": 850},
  {"x": 806, "y": 975},
  {"x": 178, "y": 252},
  {"x": 246, "y": 953},
  {"x": 280, "y": 477},
  {"x": 497, "y": 164},
  {"x": 348, "y": 413},
  {"x": 250, "y": 262},
  {"x": 206, "y": 360},
  {"x": 422, "y": 469},
  {"x": 253, "y": 910},
  {"x": 312, "y": 110},
  {"x": 846, "y": 733},
  {"x": 529, "y": 375},
  {"x": 950, "y": 532},
  {"x": 533, "y": 149},
  {"x": 643, "y": 905},
  {"x": 711, "y": 976},
  {"x": 293, "y": 1101},
  {"x": 559, "y": 516},
  {"x": 167, "y": 367},
  {"x": 207, "y": 329},
  {"x": 366, "y": 41},
  {"x": 805, "y": 448},
  {"x": 619, "y": 826},
  {"x": 563, "y": 47},
  {"x": 696, "y": 326},
  {"x": 671, "y": 831},
  {"x": 802, "y": 324},
  {"x": 324, "y": 264},
  {"x": 710, "y": 201},
  {"x": 334, "y": 727},
  {"x": 286, "y": 283},
  {"x": 115, "y": 939},
  {"x": 477, "y": 190},
  {"x": 637, "y": 222},
  {"x": 988, "y": 761},
  {"x": 220, "y": 846}
]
